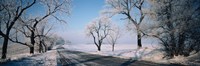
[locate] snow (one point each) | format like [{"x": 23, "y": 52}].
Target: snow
[
  {"x": 46, "y": 59},
  {"x": 19, "y": 56},
  {"x": 155, "y": 55},
  {"x": 127, "y": 51}
]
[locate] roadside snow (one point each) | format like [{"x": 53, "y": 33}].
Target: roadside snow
[
  {"x": 49, "y": 58},
  {"x": 155, "y": 55},
  {"x": 45, "y": 59}
]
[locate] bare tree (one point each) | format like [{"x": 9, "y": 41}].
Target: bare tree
[
  {"x": 10, "y": 11},
  {"x": 42, "y": 37},
  {"x": 129, "y": 8},
  {"x": 99, "y": 30},
  {"x": 113, "y": 36}
]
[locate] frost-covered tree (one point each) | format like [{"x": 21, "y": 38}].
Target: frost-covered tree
[
  {"x": 10, "y": 12},
  {"x": 99, "y": 29},
  {"x": 43, "y": 35},
  {"x": 113, "y": 36},
  {"x": 132, "y": 9},
  {"x": 13, "y": 12},
  {"x": 52, "y": 10},
  {"x": 177, "y": 25}
]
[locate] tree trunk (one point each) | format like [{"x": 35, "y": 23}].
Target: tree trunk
[
  {"x": 139, "y": 39},
  {"x": 31, "y": 50},
  {"x": 32, "y": 42},
  {"x": 45, "y": 47},
  {"x": 181, "y": 44},
  {"x": 113, "y": 46},
  {"x": 40, "y": 47},
  {"x": 173, "y": 44},
  {"x": 4, "y": 51},
  {"x": 99, "y": 48}
]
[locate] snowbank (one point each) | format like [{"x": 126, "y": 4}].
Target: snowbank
[
  {"x": 155, "y": 55},
  {"x": 46, "y": 59},
  {"x": 49, "y": 58}
]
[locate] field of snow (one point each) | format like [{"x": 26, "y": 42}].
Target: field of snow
[{"x": 128, "y": 51}]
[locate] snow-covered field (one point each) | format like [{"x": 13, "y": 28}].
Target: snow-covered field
[{"x": 130, "y": 51}]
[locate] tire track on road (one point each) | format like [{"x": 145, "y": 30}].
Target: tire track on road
[{"x": 63, "y": 60}]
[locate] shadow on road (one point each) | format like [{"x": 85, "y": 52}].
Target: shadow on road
[{"x": 128, "y": 62}]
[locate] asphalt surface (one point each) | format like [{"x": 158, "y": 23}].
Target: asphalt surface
[{"x": 76, "y": 58}]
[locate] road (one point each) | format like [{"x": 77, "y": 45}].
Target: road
[{"x": 76, "y": 58}]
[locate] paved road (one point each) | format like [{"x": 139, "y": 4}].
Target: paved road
[{"x": 76, "y": 58}]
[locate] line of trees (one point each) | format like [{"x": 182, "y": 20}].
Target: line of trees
[{"x": 16, "y": 20}]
